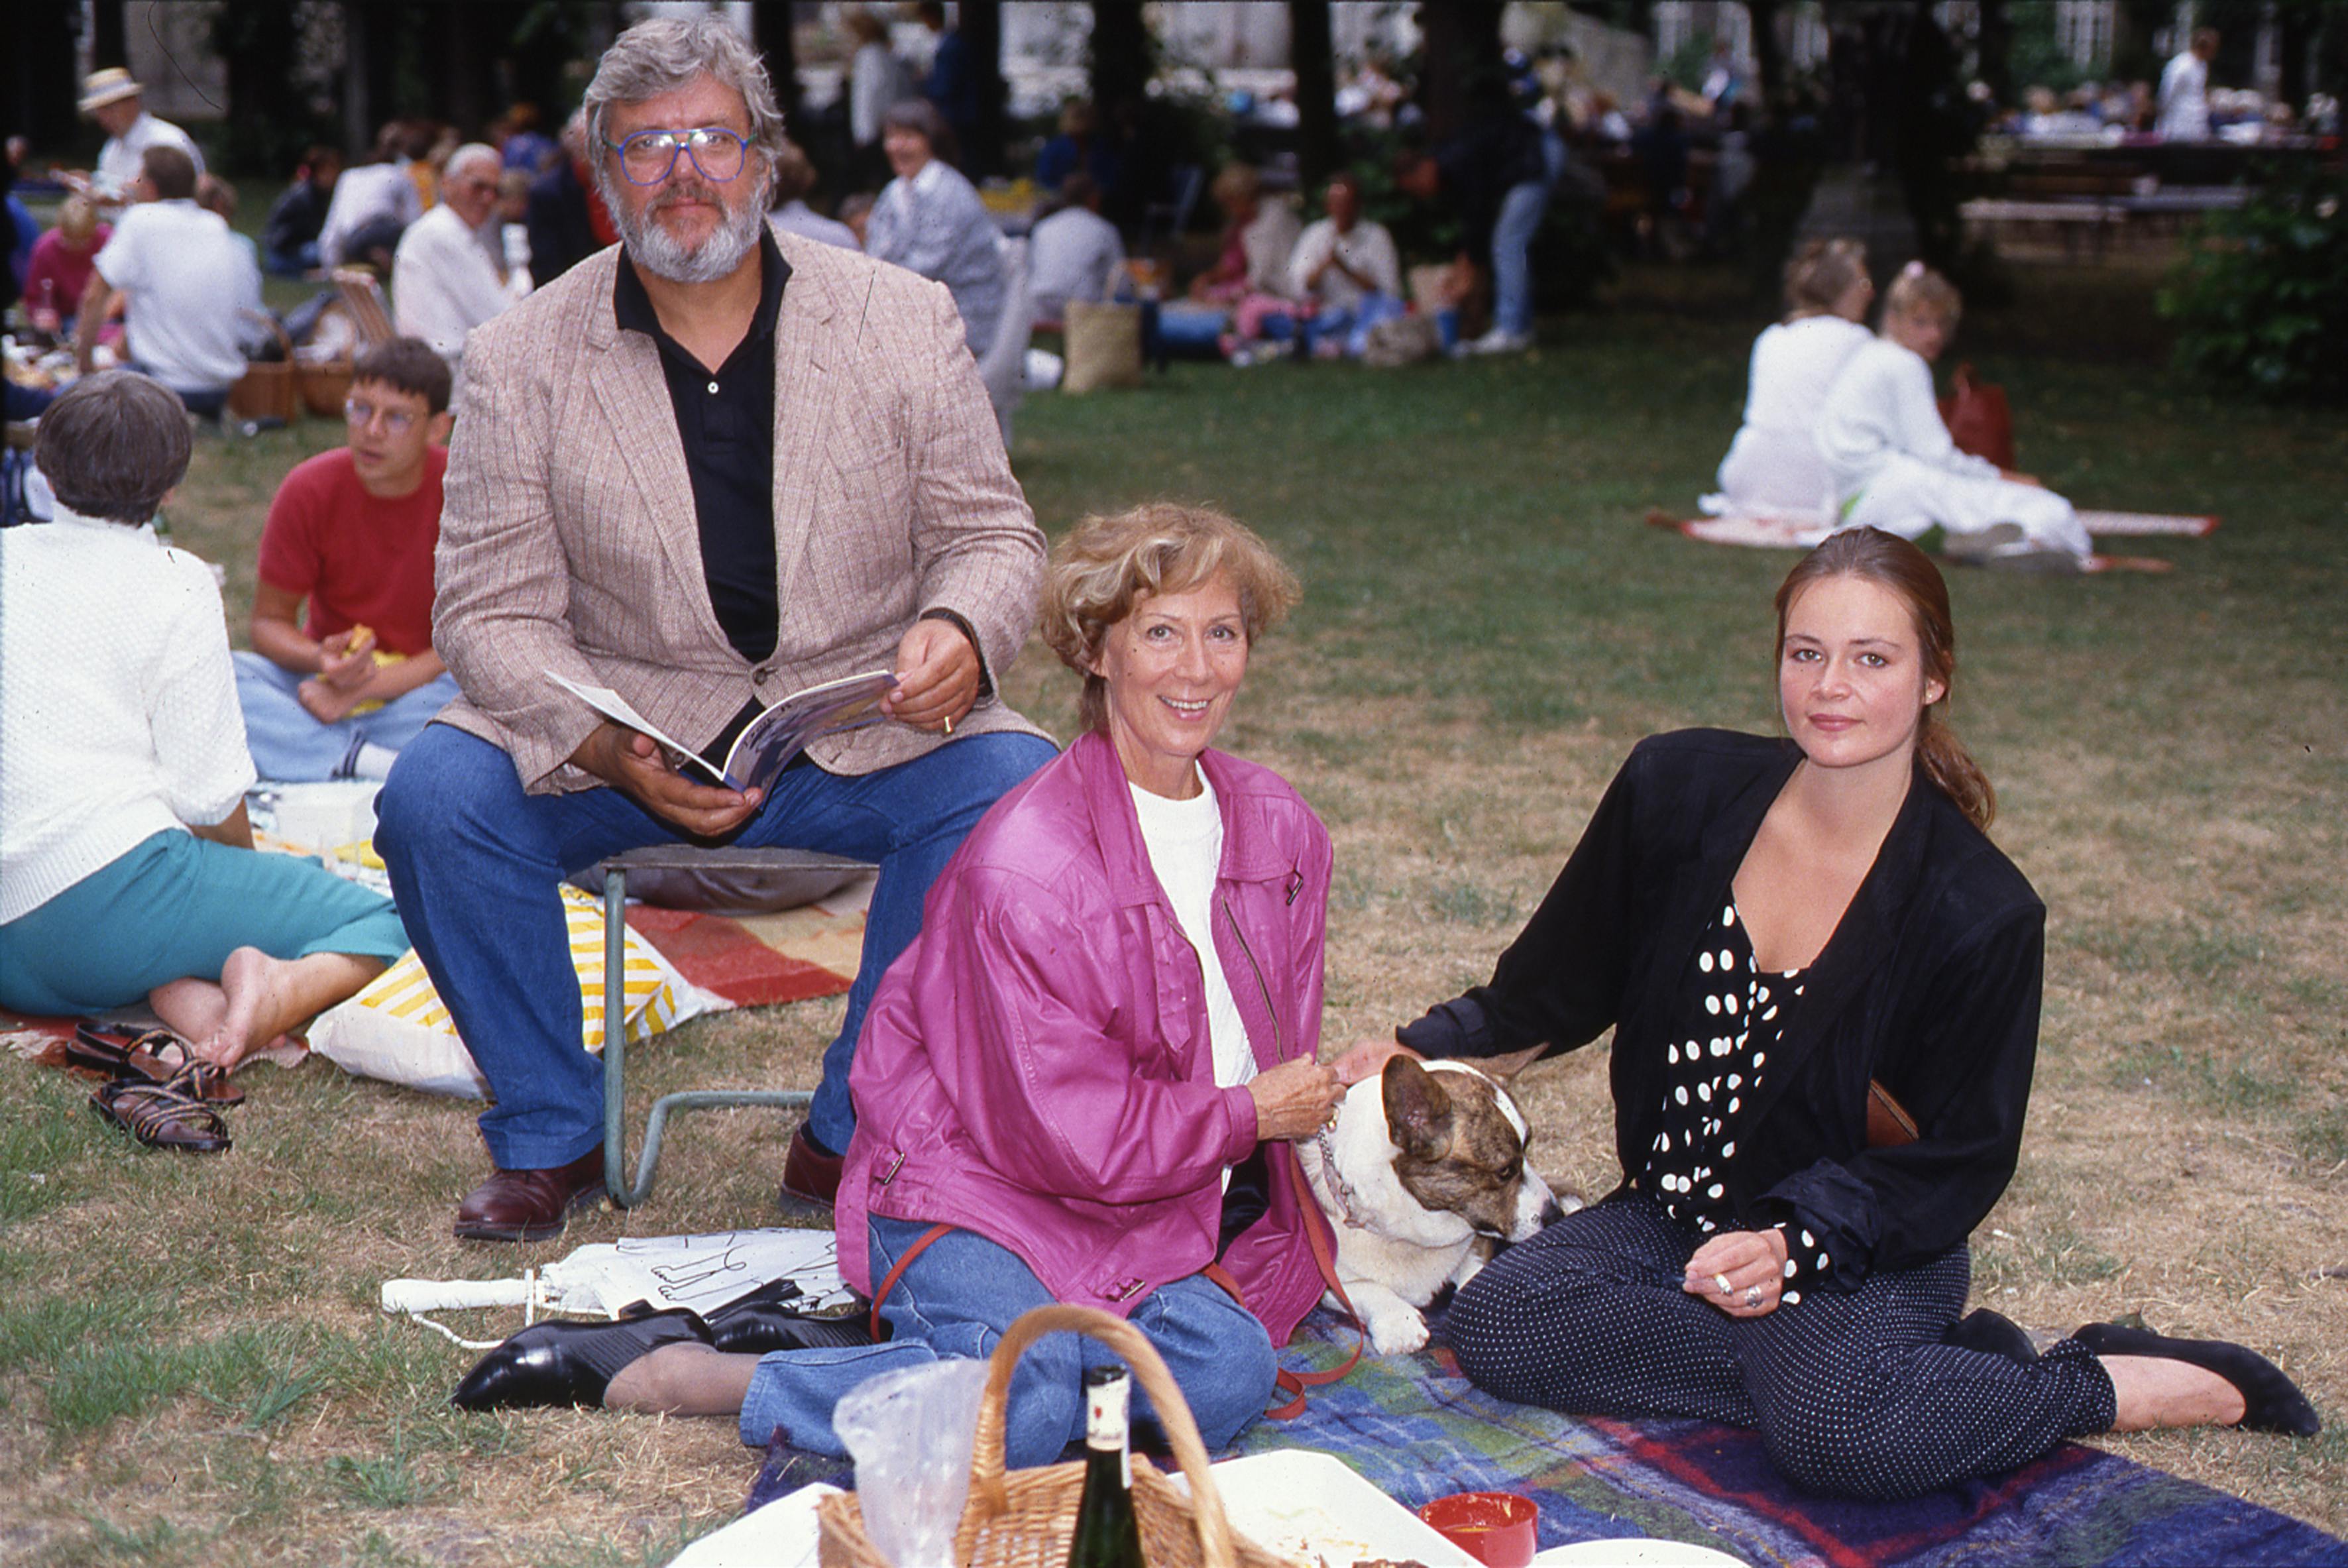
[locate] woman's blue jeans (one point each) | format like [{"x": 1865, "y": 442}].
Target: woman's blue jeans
[{"x": 959, "y": 1297}]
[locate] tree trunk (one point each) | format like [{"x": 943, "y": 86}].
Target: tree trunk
[
  {"x": 42, "y": 89},
  {"x": 1121, "y": 56},
  {"x": 268, "y": 125},
  {"x": 1463, "y": 59},
  {"x": 1996, "y": 48},
  {"x": 981, "y": 32},
  {"x": 1310, "y": 55},
  {"x": 770, "y": 30},
  {"x": 109, "y": 41},
  {"x": 1768, "y": 58}
]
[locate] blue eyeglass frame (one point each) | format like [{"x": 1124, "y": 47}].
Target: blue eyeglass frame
[{"x": 741, "y": 142}]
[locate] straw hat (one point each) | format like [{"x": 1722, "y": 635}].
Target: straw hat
[{"x": 111, "y": 85}]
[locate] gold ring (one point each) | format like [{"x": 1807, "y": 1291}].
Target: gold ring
[{"x": 948, "y": 724}]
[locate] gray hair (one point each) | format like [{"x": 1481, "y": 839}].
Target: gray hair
[
  {"x": 476, "y": 153},
  {"x": 113, "y": 445},
  {"x": 667, "y": 52}
]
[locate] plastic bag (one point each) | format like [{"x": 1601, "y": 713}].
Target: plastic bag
[{"x": 910, "y": 1432}]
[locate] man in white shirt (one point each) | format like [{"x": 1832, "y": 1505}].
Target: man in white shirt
[
  {"x": 113, "y": 100},
  {"x": 1347, "y": 268},
  {"x": 191, "y": 289},
  {"x": 1072, "y": 253},
  {"x": 445, "y": 277},
  {"x": 381, "y": 192},
  {"x": 2185, "y": 91}
]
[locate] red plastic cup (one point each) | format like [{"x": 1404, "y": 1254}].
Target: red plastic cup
[{"x": 1495, "y": 1528}]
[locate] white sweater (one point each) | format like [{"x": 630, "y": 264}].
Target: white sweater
[
  {"x": 1774, "y": 464},
  {"x": 119, "y": 717},
  {"x": 1882, "y": 406}
]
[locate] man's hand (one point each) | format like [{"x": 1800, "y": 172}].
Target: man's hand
[
  {"x": 1367, "y": 1058},
  {"x": 632, "y": 763},
  {"x": 1751, "y": 1264},
  {"x": 937, "y": 676},
  {"x": 1294, "y": 1099}
]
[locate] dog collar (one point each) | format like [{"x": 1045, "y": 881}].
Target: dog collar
[{"x": 1339, "y": 1188}]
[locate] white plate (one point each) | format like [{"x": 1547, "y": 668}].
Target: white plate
[
  {"x": 1634, "y": 1552},
  {"x": 1301, "y": 1506}
]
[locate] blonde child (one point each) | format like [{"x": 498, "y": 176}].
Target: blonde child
[{"x": 1895, "y": 467}]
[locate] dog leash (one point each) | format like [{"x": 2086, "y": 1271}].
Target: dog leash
[{"x": 1298, "y": 1385}]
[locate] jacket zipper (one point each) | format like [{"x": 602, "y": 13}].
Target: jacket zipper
[{"x": 1279, "y": 1046}]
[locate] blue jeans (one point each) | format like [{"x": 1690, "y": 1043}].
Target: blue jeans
[
  {"x": 288, "y": 744},
  {"x": 174, "y": 907},
  {"x": 474, "y": 865},
  {"x": 959, "y": 1297},
  {"x": 1512, "y": 246}
]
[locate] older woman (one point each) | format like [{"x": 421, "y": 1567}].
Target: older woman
[
  {"x": 1823, "y": 983},
  {"x": 1081, "y": 1082},
  {"x": 929, "y": 219},
  {"x": 127, "y": 869}
]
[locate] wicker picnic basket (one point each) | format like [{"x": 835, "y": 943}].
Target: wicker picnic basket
[
  {"x": 1024, "y": 1519},
  {"x": 267, "y": 389}
]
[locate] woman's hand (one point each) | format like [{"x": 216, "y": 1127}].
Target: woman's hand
[
  {"x": 1740, "y": 1272},
  {"x": 1294, "y": 1099},
  {"x": 1367, "y": 1058}
]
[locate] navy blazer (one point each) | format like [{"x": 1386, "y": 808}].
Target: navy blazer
[{"x": 1930, "y": 984}]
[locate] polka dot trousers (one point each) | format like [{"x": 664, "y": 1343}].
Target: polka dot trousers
[{"x": 1854, "y": 1395}]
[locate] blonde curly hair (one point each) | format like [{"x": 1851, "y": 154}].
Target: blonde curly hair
[{"x": 1108, "y": 564}]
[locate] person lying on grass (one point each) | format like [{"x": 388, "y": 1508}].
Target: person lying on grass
[
  {"x": 1823, "y": 981},
  {"x": 127, "y": 867}
]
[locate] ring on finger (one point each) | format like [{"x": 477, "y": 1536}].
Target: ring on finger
[{"x": 1752, "y": 1296}]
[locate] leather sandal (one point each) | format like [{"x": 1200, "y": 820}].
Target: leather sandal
[
  {"x": 2272, "y": 1402},
  {"x": 161, "y": 1117},
  {"x": 155, "y": 1056}
]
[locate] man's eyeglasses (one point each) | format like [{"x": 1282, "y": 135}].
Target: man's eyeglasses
[
  {"x": 361, "y": 413},
  {"x": 647, "y": 157}
]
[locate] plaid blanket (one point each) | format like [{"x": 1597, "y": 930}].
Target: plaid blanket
[{"x": 1418, "y": 1429}]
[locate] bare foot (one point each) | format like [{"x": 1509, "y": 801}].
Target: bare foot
[
  {"x": 682, "y": 1379},
  {"x": 2155, "y": 1391},
  {"x": 190, "y": 1009}
]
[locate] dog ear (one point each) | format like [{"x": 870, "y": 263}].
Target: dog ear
[{"x": 1418, "y": 1112}]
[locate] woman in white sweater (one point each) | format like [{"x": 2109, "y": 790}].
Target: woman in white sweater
[
  {"x": 1773, "y": 467},
  {"x": 127, "y": 868},
  {"x": 1895, "y": 467}
]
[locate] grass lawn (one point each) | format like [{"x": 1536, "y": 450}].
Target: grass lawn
[{"x": 192, "y": 1368}]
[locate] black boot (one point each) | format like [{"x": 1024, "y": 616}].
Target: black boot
[
  {"x": 1991, "y": 1334},
  {"x": 560, "y": 1362},
  {"x": 775, "y": 1318}
]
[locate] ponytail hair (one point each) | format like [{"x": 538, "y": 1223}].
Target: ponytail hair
[
  {"x": 1891, "y": 562},
  {"x": 1820, "y": 273}
]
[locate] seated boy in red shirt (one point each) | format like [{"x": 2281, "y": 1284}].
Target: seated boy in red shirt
[{"x": 351, "y": 531}]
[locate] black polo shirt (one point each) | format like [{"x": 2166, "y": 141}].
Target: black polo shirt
[{"x": 726, "y": 418}]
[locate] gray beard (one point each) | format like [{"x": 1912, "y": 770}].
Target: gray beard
[{"x": 651, "y": 247}]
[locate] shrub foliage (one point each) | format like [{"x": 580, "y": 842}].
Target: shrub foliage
[{"x": 2261, "y": 298}]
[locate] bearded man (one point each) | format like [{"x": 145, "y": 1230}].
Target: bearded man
[{"x": 705, "y": 467}]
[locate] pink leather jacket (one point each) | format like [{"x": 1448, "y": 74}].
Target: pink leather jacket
[{"x": 1036, "y": 1066}]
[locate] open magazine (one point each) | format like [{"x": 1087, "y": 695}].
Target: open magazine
[{"x": 771, "y": 739}]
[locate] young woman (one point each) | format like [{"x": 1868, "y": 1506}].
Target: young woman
[
  {"x": 1823, "y": 981},
  {"x": 1773, "y": 466},
  {"x": 1895, "y": 467}
]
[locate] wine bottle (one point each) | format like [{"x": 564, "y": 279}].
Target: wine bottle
[{"x": 1107, "y": 1536}]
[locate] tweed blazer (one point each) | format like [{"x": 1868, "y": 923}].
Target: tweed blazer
[{"x": 568, "y": 540}]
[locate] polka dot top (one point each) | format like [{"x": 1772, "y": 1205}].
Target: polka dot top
[{"x": 1729, "y": 1026}]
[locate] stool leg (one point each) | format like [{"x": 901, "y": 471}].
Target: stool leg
[{"x": 615, "y": 1038}]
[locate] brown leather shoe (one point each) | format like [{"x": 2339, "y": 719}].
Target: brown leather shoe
[
  {"x": 808, "y": 1177},
  {"x": 528, "y": 1205}
]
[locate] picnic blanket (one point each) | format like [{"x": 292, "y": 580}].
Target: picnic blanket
[
  {"x": 1418, "y": 1431},
  {"x": 1803, "y": 530}
]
